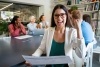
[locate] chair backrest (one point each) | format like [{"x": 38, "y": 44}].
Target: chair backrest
[{"x": 89, "y": 54}]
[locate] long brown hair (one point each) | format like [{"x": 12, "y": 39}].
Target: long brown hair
[{"x": 68, "y": 21}]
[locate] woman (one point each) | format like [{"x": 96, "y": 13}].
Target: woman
[
  {"x": 60, "y": 39},
  {"x": 32, "y": 25},
  {"x": 16, "y": 28},
  {"x": 43, "y": 22}
]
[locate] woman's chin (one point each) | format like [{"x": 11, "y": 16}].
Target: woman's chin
[{"x": 60, "y": 26}]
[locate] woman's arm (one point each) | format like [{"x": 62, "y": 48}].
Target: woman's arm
[
  {"x": 23, "y": 30},
  {"x": 31, "y": 27},
  {"x": 40, "y": 24},
  {"x": 79, "y": 44},
  {"x": 14, "y": 32},
  {"x": 42, "y": 47}
]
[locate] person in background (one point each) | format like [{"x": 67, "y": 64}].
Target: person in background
[
  {"x": 16, "y": 28},
  {"x": 61, "y": 38},
  {"x": 85, "y": 26},
  {"x": 70, "y": 11},
  {"x": 87, "y": 18},
  {"x": 32, "y": 25},
  {"x": 43, "y": 23}
]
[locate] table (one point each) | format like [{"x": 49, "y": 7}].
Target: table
[{"x": 12, "y": 49}]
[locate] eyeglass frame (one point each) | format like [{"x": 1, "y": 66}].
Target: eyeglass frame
[{"x": 61, "y": 15}]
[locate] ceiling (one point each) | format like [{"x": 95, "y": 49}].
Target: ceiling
[{"x": 4, "y": 5}]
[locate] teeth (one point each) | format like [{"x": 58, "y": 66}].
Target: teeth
[{"x": 59, "y": 22}]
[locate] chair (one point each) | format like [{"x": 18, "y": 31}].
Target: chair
[
  {"x": 97, "y": 50},
  {"x": 78, "y": 61},
  {"x": 89, "y": 55}
]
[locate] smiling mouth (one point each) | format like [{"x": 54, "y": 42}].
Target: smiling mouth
[{"x": 61, "y": 22}]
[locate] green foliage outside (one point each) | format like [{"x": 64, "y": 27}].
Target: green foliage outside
[
  {"x": 74, "y": 8},
  {"x": 3, "y": 27}
]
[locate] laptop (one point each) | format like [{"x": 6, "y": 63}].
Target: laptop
[{"x": 38, "y": 32}]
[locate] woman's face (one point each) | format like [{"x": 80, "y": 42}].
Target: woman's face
[
  {"x": 18, "y": 20},
  {"x": 43, "y": 18},
  {"x": 32, "y": 19},
  {"x": 60, "y": 17}
]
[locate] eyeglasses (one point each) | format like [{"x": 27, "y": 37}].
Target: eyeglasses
[{"x": 61, "y": 15}]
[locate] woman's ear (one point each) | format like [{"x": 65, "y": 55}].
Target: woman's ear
[
  {"x": 15, "y": 21},
  {"x": 77, "y": 20}
]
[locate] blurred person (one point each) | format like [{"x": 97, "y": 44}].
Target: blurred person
[
  {"x": 61, "y": 39},
  {"x": 70, "y": 12},
  {"x": 31, "y": 25},
  {"x": 85, "y": 26},
  {"x": 43, "y": 23},
  {"x": 87, "y": 18},
  {"x": 16, "y": 28}
]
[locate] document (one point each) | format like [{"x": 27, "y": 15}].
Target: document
[
  {"x": 23, "y": 37},
  {"x": 47, "y": 60}
]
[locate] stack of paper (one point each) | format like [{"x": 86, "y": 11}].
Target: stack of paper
[
  {"x": 47, "y": 60},
  {"x": 23, "y": 37}
]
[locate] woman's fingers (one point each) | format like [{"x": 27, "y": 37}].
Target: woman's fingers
[{"x": 28, "y": 64}]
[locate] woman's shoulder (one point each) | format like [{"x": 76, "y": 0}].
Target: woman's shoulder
[
  {"x": 22, "y": 24},
  {"x": 50, "y": 29},
  {"x": 10, "y": 25},
  {"x": 70, "y": 29},
  {"x": 31, "y": 24}
]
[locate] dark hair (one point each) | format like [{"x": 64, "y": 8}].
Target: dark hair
[
  {"x": 87, "y": 18},
  {"x": 14, "y": 19},
  {"x": 40, "y": 19},
  {"x": 68, "y": 21},
  {"x": 70, "y": 11}
]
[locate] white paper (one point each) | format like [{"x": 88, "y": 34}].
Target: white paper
[
  {"x": 47, "y": 60},
  {"x": 23, "y": 37}
]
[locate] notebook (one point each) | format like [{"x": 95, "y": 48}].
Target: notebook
[{"x": 47, "y": 60}]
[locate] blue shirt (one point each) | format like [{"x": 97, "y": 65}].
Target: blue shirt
[
  {"x": 87, "y": 32},
  {"x": 32, "y": 30}
]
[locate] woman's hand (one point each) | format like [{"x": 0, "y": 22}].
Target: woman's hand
[
  {"x": 28, "y": 64},
  {"x": 18, "y": 25},
  {"x": 38, "y": 26},
  {"x": 77, "y": 25}
]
